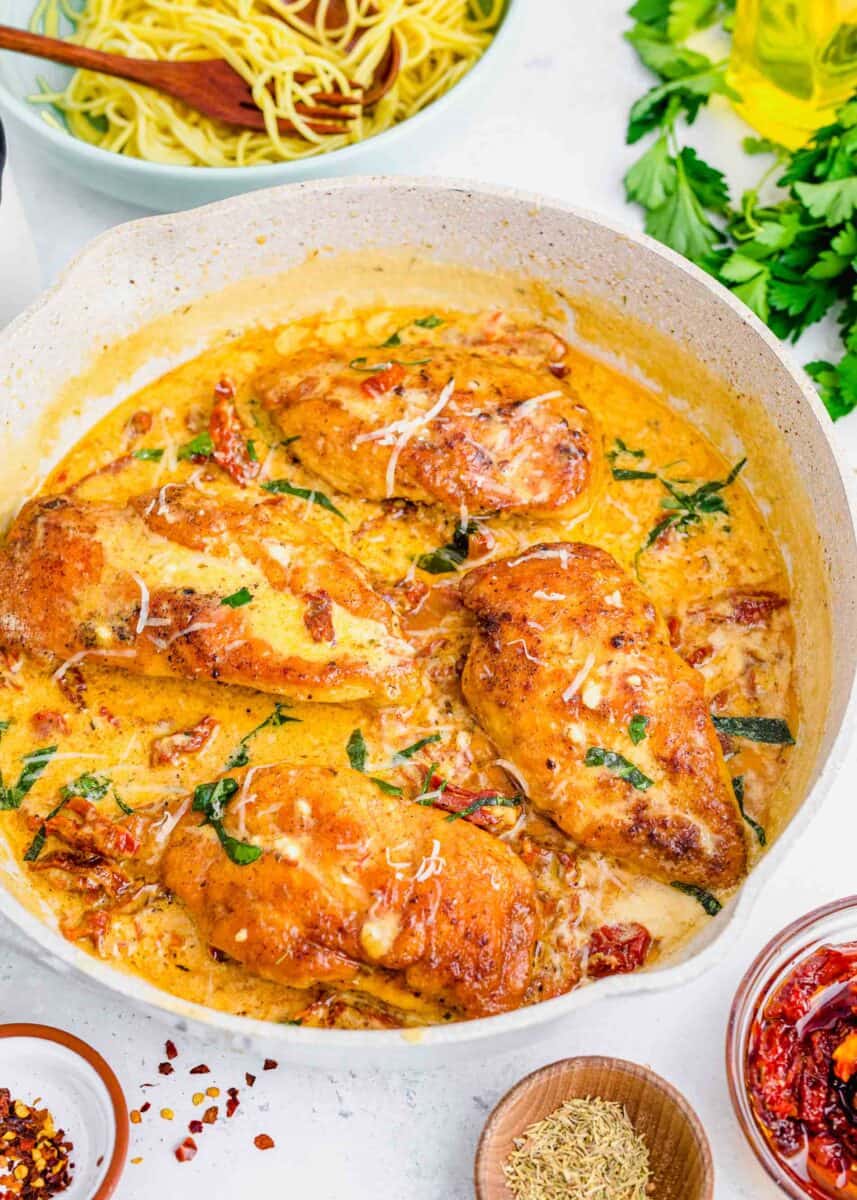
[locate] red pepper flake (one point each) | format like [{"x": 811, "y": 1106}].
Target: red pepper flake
[
  {"x": 262, "y": 1141},
  {"x": 202, "y": 1069},
  {"x": 270, "y": 1064},
  {"x": 170, "y": 1048},
  {"x": 145, "y": 1107},
  {"x": 34, "y": 1155},
  {"x": 210, "y": 1115},
  {"x": 249, "y": 1079},
  {"x": 165, "y": 1068},
  {"x": 195, "y": 1126},
  {"x": 187, "y": 1150}
]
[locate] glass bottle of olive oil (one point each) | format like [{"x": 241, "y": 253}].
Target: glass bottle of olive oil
[{"x": 793, "y": 63}]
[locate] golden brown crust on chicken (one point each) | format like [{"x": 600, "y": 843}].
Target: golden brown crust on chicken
[
  {"x": 568, "y": 651},
  {"x": 142, "y": 587},
  {"x": 350, "y": 878},
  {"x": 446, "y": 425}
]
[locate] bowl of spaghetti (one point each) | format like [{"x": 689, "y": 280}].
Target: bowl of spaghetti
[{"x": 144, "y": 147}]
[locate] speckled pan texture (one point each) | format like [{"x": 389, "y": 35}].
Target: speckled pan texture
[{"x": 150, "y": 294}]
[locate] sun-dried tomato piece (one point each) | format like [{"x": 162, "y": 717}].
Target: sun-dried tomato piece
[
  {"x": 172, "y": 746},
  {"x": 92, "y": 927},
  {"x": 47, "y": 722},
  {"x": 381, "y": 382},
  {"x": 72, "y": 684},
  {"x": 229, "y": 437},
  {"x": 187, "y": 1150},
  {"x": 270, "y": 1064},
  {"x": 170, "y": 1049},
  {"x": 195, "y": 1126},
  {"x": 618, "y": 949},
  {"x": 201, "y": 1069},
  {"x": 140, "y": 423},
  {"x": 487, "y": 807},
  {"x": 77, "y": 871},
  {"x": 318, "y": 616},
  {"x": 165, "y": 1068},
  {"x": 775, "y": 1068},
  {"x": 83, "y": 827}
]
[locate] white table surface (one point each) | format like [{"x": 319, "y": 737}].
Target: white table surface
[{"x": 556, "y": 126}]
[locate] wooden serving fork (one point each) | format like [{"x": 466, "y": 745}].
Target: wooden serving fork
[{"x": 211, "y": 86}]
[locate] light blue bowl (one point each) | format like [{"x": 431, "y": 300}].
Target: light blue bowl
[{"x": 171, "y": 188}]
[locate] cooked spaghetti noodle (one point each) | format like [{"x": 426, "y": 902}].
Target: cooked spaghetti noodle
[{"x": 282, "y": 49}]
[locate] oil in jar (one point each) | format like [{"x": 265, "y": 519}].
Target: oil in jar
[{"x": 793, "y": 63}]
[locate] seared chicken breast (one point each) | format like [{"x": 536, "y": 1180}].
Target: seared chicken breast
[
  {"x": 572, "y": 674},
  {"x": 176, "y": 583},
  {"x": 441, "y": 424},
  {"x": 350, "y": 878}
]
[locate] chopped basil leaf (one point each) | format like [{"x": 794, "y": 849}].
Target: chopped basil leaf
[
  {"x": 389, "y": 789},
  {"x": 452, "y": 555},
  {"x": 211, "y": 799},
  {"x": 710, "y": 903},
  {"x": 201, "y": 446},
  {"x": 772, "y": 730},
  {"x": 241, "y": 853},
  {"x": 429, "y": 322},
  {"x": 37, "y": 845},
  {"x": 282, "y": 487},
  {"x": 34, "y": 765},
  {"x": 626, "y": 473},
  {"x": 363, "y": 364},
  {"x": 148, "y": 454},
  {"x": 623, "y": 475},
  {"x": 637, "y": 728},
  {"x": 252, "y": 453},
  {"x": 296, "y": 437},
  {"x": 240, "y": 756},
  {"x": 91, "y": 787},
  {"x": 427, "y": 794},
  {"x": 485, "y": 802},
  {"x": 410, "y": 751},
  {"x": 759, "y": 830},
  {"x": 4, "y": 726},
  {"x": 689, "y": 508},
  {"x": 126, "y": 808},
  {"x": 356, "y": 751},
  {"x": 237, "y": 599},
  {"x": 392, "y": 340},
  {"x": 598, "y": 757}
]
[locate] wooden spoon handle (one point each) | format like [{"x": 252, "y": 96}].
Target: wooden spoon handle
[{"x": 57, "y": 50}]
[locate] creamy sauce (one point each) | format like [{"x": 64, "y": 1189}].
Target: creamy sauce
[{"x": 152, "y": 935}]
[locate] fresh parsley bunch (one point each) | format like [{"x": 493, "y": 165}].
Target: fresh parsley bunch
[{"x": 791, "y": 261}]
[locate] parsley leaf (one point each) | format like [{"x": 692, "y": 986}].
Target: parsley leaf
[
  {"x": 429, "y": 322},
  {"x": 148, "y": 454}
]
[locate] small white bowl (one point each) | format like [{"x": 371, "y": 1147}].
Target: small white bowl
[
  {"x": 71, "y": 1080},
  {"x": 167, "y": 188}
]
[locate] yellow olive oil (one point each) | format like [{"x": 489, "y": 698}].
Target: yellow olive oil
[{"x": 793, "y": 63}]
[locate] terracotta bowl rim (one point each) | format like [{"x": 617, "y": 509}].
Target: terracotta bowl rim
[
  {"x": 620, "y": 1065},
  {"x": 102, "y": 1068}
]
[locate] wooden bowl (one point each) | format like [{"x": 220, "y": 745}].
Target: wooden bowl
[{"x": 679, "y": 1154}]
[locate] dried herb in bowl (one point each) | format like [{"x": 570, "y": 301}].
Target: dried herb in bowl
[{"x": 585, "y": 1148}]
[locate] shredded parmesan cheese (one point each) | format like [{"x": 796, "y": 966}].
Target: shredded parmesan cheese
[
  {"x": 143, "y": 618},
  {"x": 576, "y": 683}
]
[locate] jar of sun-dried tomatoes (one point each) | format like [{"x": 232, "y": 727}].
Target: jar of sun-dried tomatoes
[{"x": 791, "y": 1055}]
